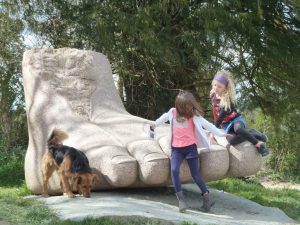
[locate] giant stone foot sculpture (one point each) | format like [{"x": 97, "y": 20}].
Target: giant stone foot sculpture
[{"x": 73, "y": 90}]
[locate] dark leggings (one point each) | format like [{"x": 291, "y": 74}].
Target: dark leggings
[
  {"x": 178, "y": 155},
  {"x": 241, "y": 135}
]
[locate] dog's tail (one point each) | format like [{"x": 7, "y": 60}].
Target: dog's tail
[{"x": 57, "y": 137}]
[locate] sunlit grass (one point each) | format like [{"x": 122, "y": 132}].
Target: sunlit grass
[{"x": 287, "y": 200}]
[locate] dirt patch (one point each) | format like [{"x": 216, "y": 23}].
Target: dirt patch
[
  {"x": 5, "y": 223},
  {"x": 280, "y": 185}
]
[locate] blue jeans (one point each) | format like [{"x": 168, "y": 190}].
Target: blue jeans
[
  {"x": 189, "y": 153},
  {"x": 238, "y": 126},
  {"x": 229, "y": 125}
]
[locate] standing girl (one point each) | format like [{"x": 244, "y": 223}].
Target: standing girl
[
  {"x": 222, "y": 97},
  {"x": 186, "y": 125}
]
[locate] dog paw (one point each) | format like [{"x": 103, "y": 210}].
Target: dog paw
[{"x": 71, "y": 195}]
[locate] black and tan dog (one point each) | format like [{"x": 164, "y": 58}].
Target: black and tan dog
[{"x": 71, "y": 165}]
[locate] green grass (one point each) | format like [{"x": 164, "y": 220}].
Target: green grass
[{"x": 287, "y": 200}]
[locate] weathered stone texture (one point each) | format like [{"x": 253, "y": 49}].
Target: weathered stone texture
[{"x": 73, "y": 90}]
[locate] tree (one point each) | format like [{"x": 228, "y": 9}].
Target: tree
[
  {"x": 159, "y": 47},
  {"x": 11, "y": 91}
]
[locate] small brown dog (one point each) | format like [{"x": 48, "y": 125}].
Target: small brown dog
[{"x": 70, "y": 164}]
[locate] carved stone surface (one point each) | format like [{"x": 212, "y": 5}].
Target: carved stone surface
[{"x": 73, "y": 90}]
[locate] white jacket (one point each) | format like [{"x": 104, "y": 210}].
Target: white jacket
[{"x": 200, "y": 123}]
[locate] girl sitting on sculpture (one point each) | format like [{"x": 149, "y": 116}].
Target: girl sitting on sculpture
[{"x": 222, "y": 97}]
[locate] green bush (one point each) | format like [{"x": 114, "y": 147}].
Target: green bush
[
  {"x": 15, "y": 132},
  {"x": 284, "y": 140},
  {"x": 12, "y": 166}
]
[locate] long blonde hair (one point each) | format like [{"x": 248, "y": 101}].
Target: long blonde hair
[
  {"x": 186, "y": 105},
  {"x": 228, "y": 95}
]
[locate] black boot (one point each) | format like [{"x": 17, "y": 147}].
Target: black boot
[
  {"x": 258, "y": 135},
  {"x": 207, "y": 202},
  {"x": 263, "y": 150},
  {"x": 182, "y": 204}
]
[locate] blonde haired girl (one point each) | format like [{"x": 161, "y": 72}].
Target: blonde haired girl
[
  {"x": 228, "y": 95},
  {"x": 222, "y": 97},
  {"x": 187, "y": 133}
]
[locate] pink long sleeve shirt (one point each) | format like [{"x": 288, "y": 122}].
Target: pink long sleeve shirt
[{"x": 183, "y": 132}]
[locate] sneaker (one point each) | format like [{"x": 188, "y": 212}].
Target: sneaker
[
  {"x": 258, "y": 135},
  {"x": 263, "y": 151}
]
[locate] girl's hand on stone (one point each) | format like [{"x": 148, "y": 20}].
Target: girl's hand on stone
[
  {"x": 212, "y": 139},
  {"x": 152, "y": 127}
]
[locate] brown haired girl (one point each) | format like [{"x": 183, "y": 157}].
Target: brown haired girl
[{"x": 187, "y": 134}]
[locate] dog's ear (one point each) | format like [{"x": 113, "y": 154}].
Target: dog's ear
[
  {"x": 95, "y": 177},
  {"x": 77, "y": 178}
]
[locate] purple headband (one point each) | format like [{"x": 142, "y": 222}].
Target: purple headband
[{"x": 219, "y": 77}]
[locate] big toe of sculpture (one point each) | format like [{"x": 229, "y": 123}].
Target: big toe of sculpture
[{"x": 73, "y": 90}]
